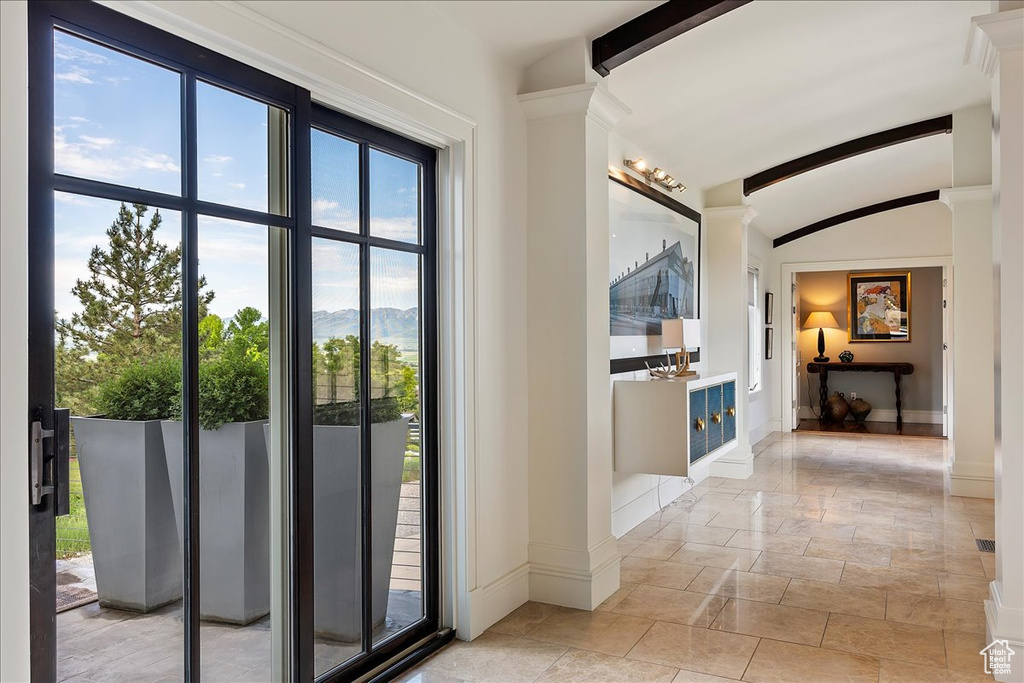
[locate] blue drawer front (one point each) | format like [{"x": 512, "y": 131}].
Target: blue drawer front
[
  {"x": 698, "y": 440},
  {"x": 729, "y": 421},
  {"x": 714, "y": 429}
]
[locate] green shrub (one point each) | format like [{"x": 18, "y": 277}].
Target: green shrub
[
  {"x": 346, "y": 413},
  {"x": 231, "y": 389},
  {"x": 147, "y": 391}
]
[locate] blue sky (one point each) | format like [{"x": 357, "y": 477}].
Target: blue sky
[{"x": 116, "y": 119}]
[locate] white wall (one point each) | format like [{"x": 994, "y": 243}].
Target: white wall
[
  {"x": 14, "y": 633},
  {"x": 919, "y": 230},
  {"x": 763, "y": 416},
  {"x": 428, "y": 69}
]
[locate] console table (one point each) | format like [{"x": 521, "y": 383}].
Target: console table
[{"x": 898, "y": 370}]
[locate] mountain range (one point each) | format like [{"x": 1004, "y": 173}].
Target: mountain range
[{"x": 387, "y": 325}]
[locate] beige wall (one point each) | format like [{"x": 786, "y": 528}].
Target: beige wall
[{"x": 922, "y": 391}]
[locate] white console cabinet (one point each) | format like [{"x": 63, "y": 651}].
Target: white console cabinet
[{"x": 665, "y": 426}]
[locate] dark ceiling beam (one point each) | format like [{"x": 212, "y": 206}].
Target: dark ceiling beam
[
  {"x": 909, "y": 200},
  {"x": 651, "y": 29},
  {"x": 845, "y": 150}
]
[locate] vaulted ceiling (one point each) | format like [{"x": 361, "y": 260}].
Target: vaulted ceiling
[{"x": 771, "y": 81}]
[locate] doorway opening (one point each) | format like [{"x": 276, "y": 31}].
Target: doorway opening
[{"x": 902, "y": 382}]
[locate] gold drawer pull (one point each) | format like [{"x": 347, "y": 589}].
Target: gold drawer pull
[
  {"x": 699, "y": 424},
  {"x": 716, "y": 418},
  {"x": 731, "y": 411}
]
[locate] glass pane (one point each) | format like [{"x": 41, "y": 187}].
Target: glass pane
[
  {"x": 234, "y": 480},
  {"x": 394, "y": 197},
  {"x": 335, "y": 169},
  {"x": 238, "y": 138},
  {"x": 337, "y": 503},
  {"x": 115, "y": 118},
  {"x": 396, "y": 439},
  {"x": 117, "y": 367}
]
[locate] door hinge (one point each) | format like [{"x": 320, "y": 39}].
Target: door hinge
[
  {"x": 945, "y": 346},
  {"x": 943, "y": 303},
  {"x": 943, "y": 410}
]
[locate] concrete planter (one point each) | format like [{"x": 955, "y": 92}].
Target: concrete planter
[
  {"x": 337, "y": 505},
  {"x": 234, "y": 518},
  {"x": 127, "y": 494}
]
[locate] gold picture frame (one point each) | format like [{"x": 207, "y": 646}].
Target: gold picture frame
[{"x": 878, "y": 306}]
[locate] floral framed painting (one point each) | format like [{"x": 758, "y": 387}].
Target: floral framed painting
[{"x": 879, "y": 307}]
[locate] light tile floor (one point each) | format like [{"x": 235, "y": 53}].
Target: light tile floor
[{"x": 841, "y": 558}]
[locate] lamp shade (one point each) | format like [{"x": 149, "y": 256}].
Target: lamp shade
[
  {"x": 691, "y": 333},
  {"x": 672, "y": 333},
  {"x": 820, "y": 319}
]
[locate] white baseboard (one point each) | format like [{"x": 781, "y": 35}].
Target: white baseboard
[
  {"x": 928, "y": 417},
  {"x": 570, "y": 577},
  {"x": 626, "y": 517},
  {"x": 761, "y": 431},
  {"x": 1003, "y": 622},
  {"x": 972, "y": 479},
  {"x": 491, "y": 603}
]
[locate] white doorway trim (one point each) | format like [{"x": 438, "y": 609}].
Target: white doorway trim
[{"x": 788, "y": 345}]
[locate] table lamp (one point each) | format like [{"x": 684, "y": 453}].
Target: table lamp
[
  {"x": 821, "y": 320},
  {"x": 674, "y": 335}
]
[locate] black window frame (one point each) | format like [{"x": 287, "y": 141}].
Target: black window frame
[{"x": 197, "y": 63}]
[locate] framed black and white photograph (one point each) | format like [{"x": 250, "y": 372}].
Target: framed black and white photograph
[
  {"x": 768, "y": 338},
  {"x": 653, "y": 269},
  {"x": 769, "y": 306}
]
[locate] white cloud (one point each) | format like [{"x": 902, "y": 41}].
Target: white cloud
[
  {"x": 96, "y": 158},
  {"x": 65, "y": 50},
  {"x": 324, "y": 205},
  {"x": 237, "y": 186},
  {"x": 217, "y": 158},
  {"x": 97, "y": 142},
  {"x": 76, "y": 75}
]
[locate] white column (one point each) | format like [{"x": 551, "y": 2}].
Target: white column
[
  {"x": 972, "y": 453},
  {"x": 724, "y": 229},
  {"x": 996, "y": 45},
  {"x": 572, "y": 553}
]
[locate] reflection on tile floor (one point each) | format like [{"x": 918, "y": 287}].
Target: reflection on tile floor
[
  {"x": 841, "y": 558},
  {"x": 97, "y": 644}
]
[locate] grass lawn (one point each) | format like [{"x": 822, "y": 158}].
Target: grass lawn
[{"x": 73, "y": 529}]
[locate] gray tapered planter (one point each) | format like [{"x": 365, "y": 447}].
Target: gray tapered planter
[
  {"x": 234, "y": 518},
  {"x": 135, "y": 550},
  {"x": 337, "y": 508}
]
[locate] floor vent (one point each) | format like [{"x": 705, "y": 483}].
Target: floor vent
[{"x": 985, "y": 545}]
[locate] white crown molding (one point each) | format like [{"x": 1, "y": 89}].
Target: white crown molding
[
  {"x": 591, "y": 99},
  {"x": 331, "y": 77},
  {"x": 952, "y": 196},
  {"x": 992, "y": 35},
  {"x": 745, "y": 214}
]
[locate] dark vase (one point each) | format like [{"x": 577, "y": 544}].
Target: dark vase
[
  {"x": 859, "y": 409},
  {"x": 836, "y": 408},
  {"x": 846, "y": 356}
]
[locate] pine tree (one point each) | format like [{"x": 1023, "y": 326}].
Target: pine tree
[
  {"x": 130, "y": 308},
  {"x": 131, "y": 303}
]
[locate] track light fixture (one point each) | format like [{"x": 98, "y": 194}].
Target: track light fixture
[{"x": 654, "y": 175}]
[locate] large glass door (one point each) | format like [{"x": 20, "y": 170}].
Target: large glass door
[
  {"x": 233, "y": 368},
  {"x": 374, "y": 379}
]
